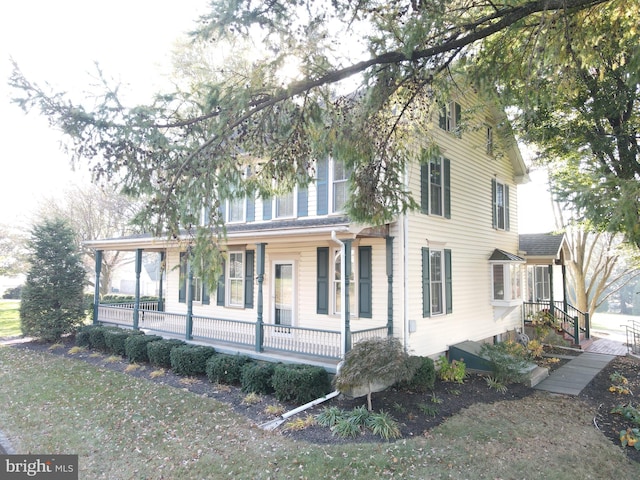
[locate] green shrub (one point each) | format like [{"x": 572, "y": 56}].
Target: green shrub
[
  {"x": 300, "y": 383},
  {"x": 226, "y": 369},
  {"x": 135, "y": 347},
  {"x": 83, "y": 336},
  {"x": 159, "y": 353},
  {"x": 257, "y": 377},
  {"x": 96, "y": 337},
  {"x": 424, "y": 377},
  {"x": 190, "y": 360},
  {"x": 114, "y": 340},
  {"x": 456, "y": 371},
  {"x": 508, "y": 361}
]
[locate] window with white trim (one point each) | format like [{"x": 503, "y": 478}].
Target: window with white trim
[
  {"x": 436, "y": 262},
  {"x": 450, "y": 117},
  {"x": 489, "y": 132},
  {"x": 337, "y": 283},
  {"x": 235, "y": 279},
  {"x": 284, "y": 205},
  {"x": 506, "y": 283},
  {"x": 500, "y": 205},
  {"x": 339, "y": 185}
]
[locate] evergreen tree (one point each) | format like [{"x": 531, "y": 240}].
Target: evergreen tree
[{"x": 52, "y": 299}]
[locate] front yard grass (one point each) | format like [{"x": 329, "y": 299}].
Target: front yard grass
[
  {"x": 129, "y": 428},
  {"x": 9, "y": 318}
]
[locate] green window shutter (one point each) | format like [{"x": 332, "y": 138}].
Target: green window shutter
[
  {"x": 303, "y": 201},
  {"x": 506, "y": 207},
  {"x": 426, "y": 283},
  {"x": 266, "y": 209},
  {"x": 221, "y": 282},
  {"x": 448, "y": 281},
  {"x": 322, "y": 186},
  {"x": 494, "y": 203},
  {"x": 206, "y": 296},
  {"x": 424, "y": 187},
  {"x": 322, "y": 281},
  {"x": 446, "y": 180},
  {"x": 458, "y": 116},
  {"x": 365, "y": 282},
  {"x": 182, "y": 289},
  {"x": 248, "y": 278}
]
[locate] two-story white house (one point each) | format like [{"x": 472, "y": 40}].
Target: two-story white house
[{"x": 302, "y": 282}]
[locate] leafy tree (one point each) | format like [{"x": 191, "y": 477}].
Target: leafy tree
[
  {"x": 52, "y": 298},
  {"x": 374, "y": 361},
  {"x": 12, "y": 254},
  {"x": 575, "y": 83},
  {"x": 368, "y": 104},
  {"x": 93, "y": 213},
  {"x": 600, "y": 264}
]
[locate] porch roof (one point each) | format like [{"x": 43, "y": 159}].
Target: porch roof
[
  {"x": 539, "y": 246},
  {"x": 272, "y": 229},
  {"x": 502, "y": 256}
]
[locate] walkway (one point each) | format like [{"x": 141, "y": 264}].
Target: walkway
[{"x": 572, "y": 377}]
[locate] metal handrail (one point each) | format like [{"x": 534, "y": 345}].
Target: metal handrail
[{"x": 633, "y": 337}]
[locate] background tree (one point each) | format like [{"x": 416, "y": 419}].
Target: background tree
[
  {"x": 361, "y": 104},
  {"x": 94, "y": 213},
  {"x": 575, "y": 84},
  {"x": 52, "y": 299},
  {"x": 12, "y": 251},
  {"x": 600, "y": 263}
]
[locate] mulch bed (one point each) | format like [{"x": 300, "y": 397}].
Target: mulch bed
[{"x": 408, "y": 408}]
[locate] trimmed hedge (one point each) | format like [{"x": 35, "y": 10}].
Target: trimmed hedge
[
  {"x": 424, "y": 377},
  {"x": 159, "y": 353},
  {"x": 96, "y": 337},
  {"x": 190, "y": 360},
  {"x": 226, "y": 369},
  {"x": 135, "y": 347},
  {"x": 83, "y": 336},
  {"x": 300, "y": 383},
  {"x": 257, "y": 377},
  {"x": 114, "y": 339}
]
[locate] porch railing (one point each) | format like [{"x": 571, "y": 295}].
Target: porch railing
[
  {"x": 633, "y": 337},
  {"x": 572, "y": 322},
  {"x": 278, "y": 338}
]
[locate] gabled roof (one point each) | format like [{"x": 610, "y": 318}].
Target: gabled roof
[
  {"x": 541, "y": 244},
  {"x": 502, "y": 256}
]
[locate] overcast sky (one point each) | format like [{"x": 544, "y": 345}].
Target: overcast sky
[{"x": 58, "y": 41}]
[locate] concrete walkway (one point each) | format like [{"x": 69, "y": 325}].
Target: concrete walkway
[{"x": 572, "y": 377}]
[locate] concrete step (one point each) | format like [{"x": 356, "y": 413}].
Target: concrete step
[{"x": 536, "y": 375}]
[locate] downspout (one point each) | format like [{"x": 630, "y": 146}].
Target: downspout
[
  {"x": 405, "y": 280},
  {"x": 343, "y": 318}
]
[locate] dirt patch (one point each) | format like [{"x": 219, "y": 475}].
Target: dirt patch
[{"x": 417, "y": 413}]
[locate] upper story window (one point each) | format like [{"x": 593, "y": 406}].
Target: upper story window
[
  {"x": 435, "y": 186},
  {"x": 500, "y": 205},
  {"x": 332, "y": 186},
  {"x": 450, "y": 117},
  {"x": 489, "y": 139},
  {"x": 235, "y": 210},
  {"x": 340, "y": 185},
  {"x": 285, "y": 205}
]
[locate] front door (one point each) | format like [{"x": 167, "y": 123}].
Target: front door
[{"x": 284, "y": 293}]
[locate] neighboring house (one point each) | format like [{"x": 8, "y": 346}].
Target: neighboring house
[{"x": 449, "y": 272}]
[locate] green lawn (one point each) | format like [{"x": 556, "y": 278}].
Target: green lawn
[
  {"x": 9, "y": 318},
  {"x": 124, "y": 427}
]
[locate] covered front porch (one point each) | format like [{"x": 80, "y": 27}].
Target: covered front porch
[{"x": 254, "y": 335}]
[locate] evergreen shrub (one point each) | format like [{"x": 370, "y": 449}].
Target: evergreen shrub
[
  {"x": 96, "y": 337},
  {"x": 257, "y": 377},
  {"x": 114, "y": 340},
  {"x": 83, "y": 336},
  {"x": 159, "y": 353},
  {"x": 226, "y": 369},
  {"x": 190, "y": 360},
  {"x": 424, "y": 377},
  {"x": 135, "y": 347},
  {"x": 300, "y": 383}
]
